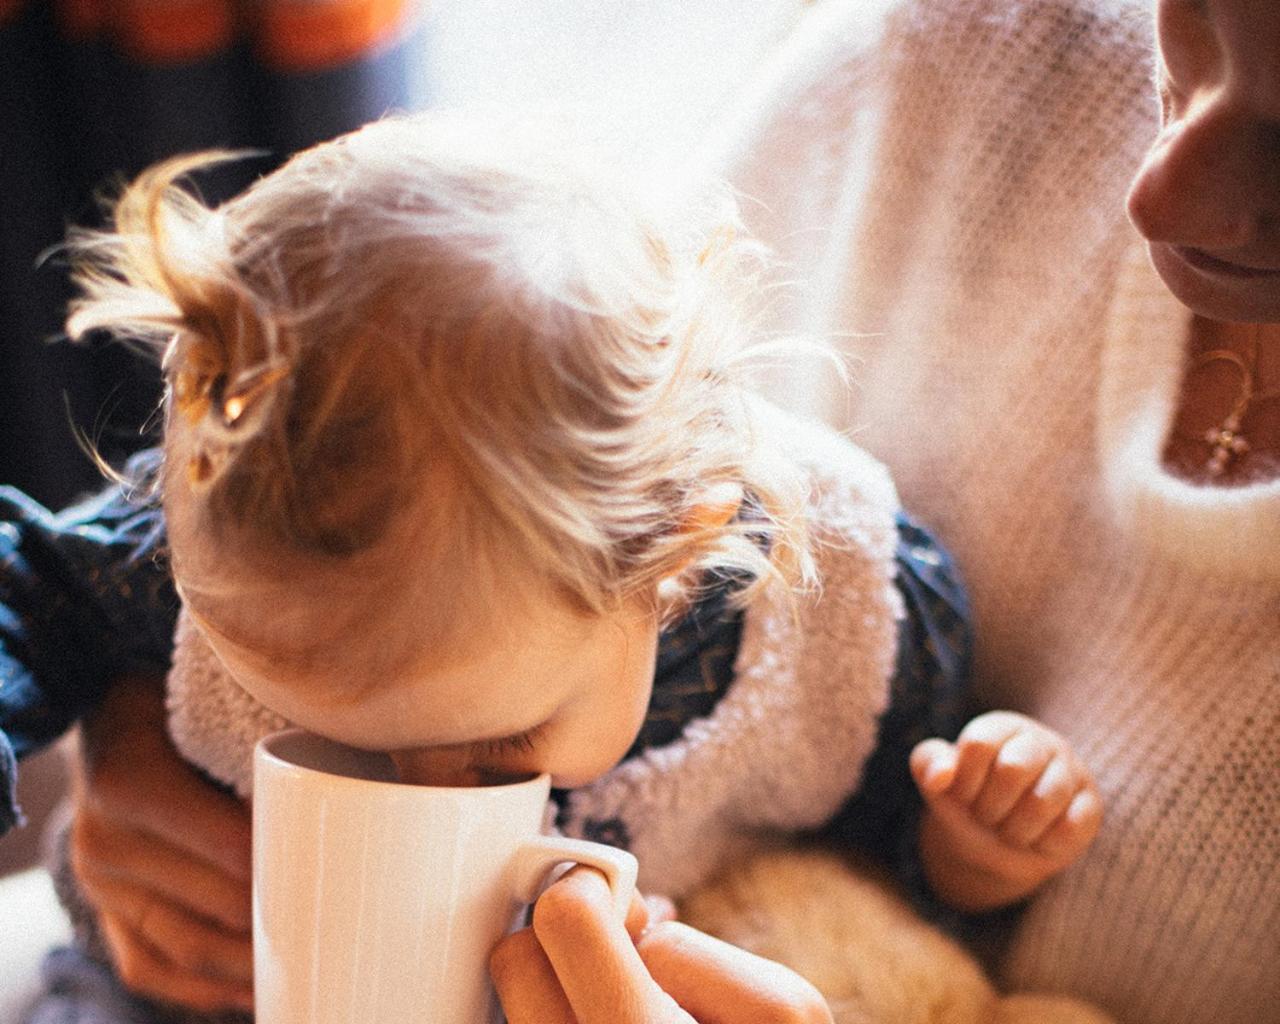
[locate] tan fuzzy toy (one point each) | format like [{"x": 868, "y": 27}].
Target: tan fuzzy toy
[{"x": 868, "y": 953}]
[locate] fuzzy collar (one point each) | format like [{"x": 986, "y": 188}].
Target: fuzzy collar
[{"x": 780, "y": 751}]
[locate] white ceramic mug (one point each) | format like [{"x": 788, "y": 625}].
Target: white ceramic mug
[{"x": 378, "y": 902}]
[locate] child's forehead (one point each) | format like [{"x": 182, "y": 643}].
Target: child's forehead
[
  {"x": 415, "y": 594},
  {"x": 368, "y": 676}
]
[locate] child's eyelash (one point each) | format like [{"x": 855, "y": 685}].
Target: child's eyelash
[{"x": 521, "y": 743}]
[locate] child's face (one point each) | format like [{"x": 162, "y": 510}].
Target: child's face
[{"x": 534, "y": 686}]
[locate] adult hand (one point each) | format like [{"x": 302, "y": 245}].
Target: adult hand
[
  {"x": 578, "y": 965},
  {"x": 164, "y": 858}
]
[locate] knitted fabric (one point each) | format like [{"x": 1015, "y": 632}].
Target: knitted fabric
[
  {"x": 944, "y": 181},
  {"x": 781, "y": 751}
]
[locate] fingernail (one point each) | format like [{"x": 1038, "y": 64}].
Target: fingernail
[
  {"x": 660, "y": 909},
  {"x": 942, "y": 770}
]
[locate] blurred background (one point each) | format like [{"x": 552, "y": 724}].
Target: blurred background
[{"x": 92, "y": 91}]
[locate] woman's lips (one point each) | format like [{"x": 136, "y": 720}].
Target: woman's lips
[{"x": 1201, "y": 260}]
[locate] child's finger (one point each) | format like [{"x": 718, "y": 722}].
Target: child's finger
[
  {"x": 206, "y": 812},
  {"x": 979, "y": 743},
  {"x": 660, "y": 909},
  {"x": 1042, "y": 804},
  {"x": 637, "y": 916},
  {"x": 1067, "y": 837},
  {"x": 527, "y": 985},
  {"x": 645, "y": 912},
  {"x": 718, "y": 983},
  {"x": 933, "y": 766},
  {"x": 1017, "y": 765},
  {"x": 594, "y": 959}
]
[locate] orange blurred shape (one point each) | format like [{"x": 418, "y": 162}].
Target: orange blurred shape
[
  {"x": 8, "y": 8},
  {"x": 173, "y": 31},
  {"x": 307, "y": 35},
  {"x": 80, "y": 19}
]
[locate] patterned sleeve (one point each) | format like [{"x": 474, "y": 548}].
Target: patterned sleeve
[
  {"x": 929, "y": 696},
  {"x": 84, "y": 598}
]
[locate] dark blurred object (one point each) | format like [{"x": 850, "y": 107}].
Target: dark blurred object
[
  {"x": 91, "y": 92},
  {"x": 41, "y": 785}
]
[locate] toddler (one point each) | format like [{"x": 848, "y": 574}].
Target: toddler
[{"x": 459, "y": 464}]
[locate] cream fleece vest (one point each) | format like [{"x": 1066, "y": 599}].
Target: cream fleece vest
[{"x": 780, "y": 752}]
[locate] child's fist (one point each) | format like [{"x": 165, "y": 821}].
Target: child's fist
[{"x": 1008, "y": 806}]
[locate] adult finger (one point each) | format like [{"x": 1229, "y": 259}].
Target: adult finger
[
  {"x": 646, "y": 911},
  {"x": 102, "y": 850},
  {"x": 637, "y": 916},
  {"x": 718, "y": 983},
  {"x": 594, "y": 959},
  {"x": 130, "y": 772},
  {"x": 164, "y": 798},
  {"x": 186, "y": 941},
  {"x": 146, "y": 973},
  {"x": 660, "y": 909},
  {"x": 526, "y": 982}
]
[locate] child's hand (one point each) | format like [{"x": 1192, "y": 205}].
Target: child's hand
[
  {"x": 1008, "y": 806},
  {"x": 164, "y": 857},
  {"x": 579, "y": 965}
]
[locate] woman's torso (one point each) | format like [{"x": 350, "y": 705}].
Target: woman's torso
[{"x": 951, "y": 197}]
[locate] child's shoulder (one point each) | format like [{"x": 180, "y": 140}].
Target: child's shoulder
[
  {"x": 851, "y": 512},
  {"x": 850, "y": 494}
]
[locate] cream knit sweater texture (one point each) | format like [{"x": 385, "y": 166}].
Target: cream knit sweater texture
[{"x": 943, "y": 183}]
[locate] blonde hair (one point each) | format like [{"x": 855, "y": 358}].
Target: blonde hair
[{"x": 432, "y": 299}]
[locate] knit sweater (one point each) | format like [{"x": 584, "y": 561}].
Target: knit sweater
[{"x": 943, "y": 181}]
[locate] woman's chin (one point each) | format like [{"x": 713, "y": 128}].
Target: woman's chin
[{"x": 1217, "y": 296}]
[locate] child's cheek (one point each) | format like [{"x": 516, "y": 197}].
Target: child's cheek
[{"x": 583, "y": 748}]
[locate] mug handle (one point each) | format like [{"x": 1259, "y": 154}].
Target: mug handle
[{"x": 539, "y": 855}]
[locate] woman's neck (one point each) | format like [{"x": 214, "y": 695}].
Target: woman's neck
[{"x": 1227, "y": 428}]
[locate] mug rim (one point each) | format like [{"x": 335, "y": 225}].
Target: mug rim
[{"x": 263, "y": 753}]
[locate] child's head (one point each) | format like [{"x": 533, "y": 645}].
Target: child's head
[{"x": 450, "y": 429}]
